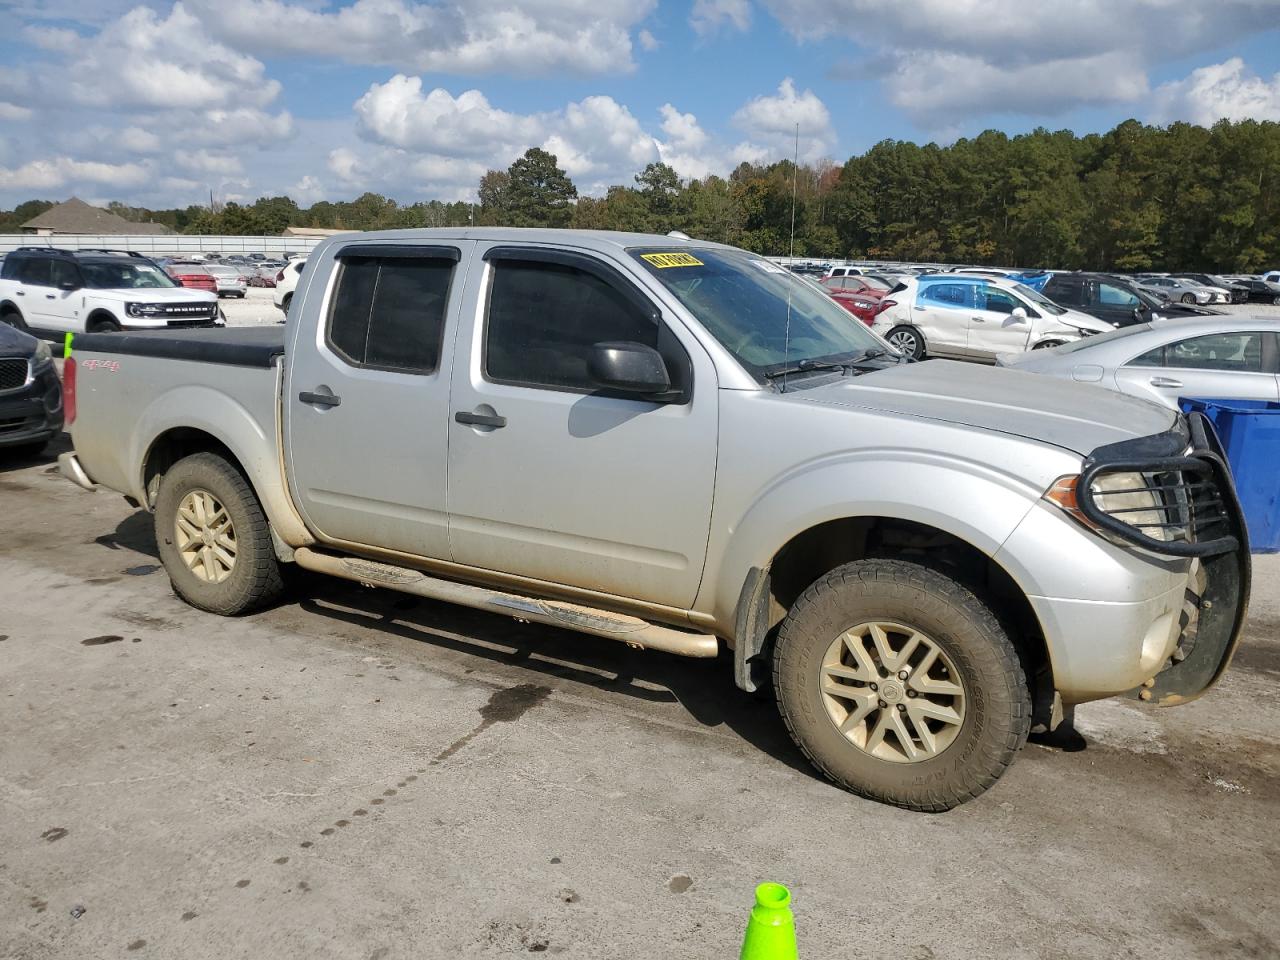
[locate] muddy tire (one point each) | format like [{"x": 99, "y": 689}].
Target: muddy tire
[
  {"x": 900, "y": 685},
  {"x": 213, "y": 537}
]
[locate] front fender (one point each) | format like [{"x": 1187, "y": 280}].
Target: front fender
[{"x": 974, "y": 502}]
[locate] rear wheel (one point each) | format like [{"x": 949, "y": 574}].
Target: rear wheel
[
  {"x": 907, "y": 340},
  {"x": 1048, "y": 344},
  {"x": 285, "y": 301},
  {"x": 213, "y": 537},
  {"x": 900, "y": 685}
]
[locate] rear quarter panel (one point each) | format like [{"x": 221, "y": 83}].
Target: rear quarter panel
[{"x": 125, "y": 403}]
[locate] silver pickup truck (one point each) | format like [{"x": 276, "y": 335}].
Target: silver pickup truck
[{"x": 678, "y": 445}]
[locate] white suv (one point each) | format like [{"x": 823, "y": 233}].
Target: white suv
[
  {"x": 287, "y": 281},
  {"x": 49, "y": 291},
  {"x": 975, "y": 318}
]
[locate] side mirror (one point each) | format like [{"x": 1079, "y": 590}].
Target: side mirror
[
  {"x": 628, "y": 367},
  {"x": 68, "y": 285},
  {"x": 1019, "y": 314}
]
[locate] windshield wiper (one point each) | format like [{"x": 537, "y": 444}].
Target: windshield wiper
[
  {"x": 871, "y": 353},
  {"x": 804, "y": 366}
]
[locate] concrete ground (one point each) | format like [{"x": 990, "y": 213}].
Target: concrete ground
[{"x": 358, "y": 774}]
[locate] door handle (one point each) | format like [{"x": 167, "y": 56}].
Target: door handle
[
  {"x": 480, "y": 419},
  {"x": 49, "y": 296},
  {"x": 1165, "y": 382},
  {"x": 21, "y": 293},
  {"x": 319, "y": 399},
  {"x": 979, "y": 319}
]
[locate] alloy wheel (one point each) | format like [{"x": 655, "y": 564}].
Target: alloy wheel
[{"x": 206, "y": 537}]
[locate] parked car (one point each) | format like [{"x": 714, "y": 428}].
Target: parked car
[
  {"x": 856, "y": 284},
  {"x": 192, "y": 274},
  {"x": 52, "y": 291},
  {"x": 1116, "y": 300},
  {"x": 1172, "y": 288},
  {"x": 230, "y": 280},
  {"x": 286, "y": 281},
  {"x": 916, "y": 557},
  {"x": 1234, "y": 358},
  {"x": 859, "y": 304},
  {"x": 1260, "y": 291},
  {"x": 1272, "y": 276},
  {"x": 30, "y": 393},
  {"x": 974, "y": 318},
  {"x": 843, "y": 271},
  {"x": 1236, "y": 293}
]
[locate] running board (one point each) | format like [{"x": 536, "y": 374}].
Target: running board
[{"x": 602, "y": 623}]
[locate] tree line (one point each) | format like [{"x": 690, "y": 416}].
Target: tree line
[{"x": 1134, "y": 198}]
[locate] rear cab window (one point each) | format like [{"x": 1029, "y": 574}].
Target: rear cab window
[{"x": 388, "y": 309}]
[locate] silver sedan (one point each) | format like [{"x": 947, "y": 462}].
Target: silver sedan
[
  {"x": 1229, "y": 358},
  {"x": 1184, "y": 291}
]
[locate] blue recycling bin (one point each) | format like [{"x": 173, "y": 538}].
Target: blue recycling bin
[{"x": 1250, "y": 434}]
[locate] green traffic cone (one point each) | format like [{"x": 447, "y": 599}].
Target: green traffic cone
[{"x": 771, "y": 931}]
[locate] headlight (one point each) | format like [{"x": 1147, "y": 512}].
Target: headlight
[
  {"x": 1126, "y": 497},
  {"x": 43, "y": 354},
  {"x": 143, "y": 309}
]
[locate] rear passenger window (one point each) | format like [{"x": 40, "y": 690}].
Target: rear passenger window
[
  {"x": 37, "y": 271},
  {"x": 946, "y": 294},
  {"x": 389, "y": 312},
  {"x": 544, "y": 318}
]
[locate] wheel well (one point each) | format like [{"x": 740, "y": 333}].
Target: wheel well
[
  {"x": 172, "y": 446},
  {"x": 809, "y": 555},
  {"x": 9, "y": 306},
  {"x": 100, "y": 316}
]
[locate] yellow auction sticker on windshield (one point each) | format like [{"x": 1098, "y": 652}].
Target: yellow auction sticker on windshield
[{"x": 664, "y": 260}]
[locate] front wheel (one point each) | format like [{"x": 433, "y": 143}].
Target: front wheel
[
  {"x": 213, "y": 537},
  {"x": 907, "y": 341},
  {"x": 900, "y": 685},
  {"x": 1048, "y": 344},
  {"x": 1188, "y": 298},
  {"x": 1276, "y": 301}
]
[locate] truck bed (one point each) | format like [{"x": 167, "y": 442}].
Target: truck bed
[{"x": 238, "y": 346}]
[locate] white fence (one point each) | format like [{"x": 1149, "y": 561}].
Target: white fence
[{"x": 165, "y": 245}]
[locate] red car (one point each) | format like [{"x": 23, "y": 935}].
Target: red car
[
  {"x": 192, "y": 275},
  {"x": 861, "y": 296}
]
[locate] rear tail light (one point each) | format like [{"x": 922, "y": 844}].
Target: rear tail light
[
  {"x": 280, "y": 276},
  {"x": 884, "y": 305},
  {"x": 69, "y": 390}
]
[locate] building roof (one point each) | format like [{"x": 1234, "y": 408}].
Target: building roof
[
  {"x": 76, "y": 216},
  {"x": 310, "y": 232}
]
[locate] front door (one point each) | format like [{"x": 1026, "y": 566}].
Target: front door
[
  {"x": 553, "y": 479},
  {"x": 367, "y": 393},
  {"x": 993, "y": 326},
  {"x": 1239, "y": 365}
]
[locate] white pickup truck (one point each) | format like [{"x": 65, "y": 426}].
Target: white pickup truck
[{"x": 680, "y": 446}]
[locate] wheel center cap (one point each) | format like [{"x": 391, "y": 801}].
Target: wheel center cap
[
  {"x": 891, "y": 691},
  {"x": 207, "y": 536}
]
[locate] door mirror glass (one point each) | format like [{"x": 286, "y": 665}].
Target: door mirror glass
[
  {"x": 629, "y": 367},
  {"x": 1019, "y": 313}
]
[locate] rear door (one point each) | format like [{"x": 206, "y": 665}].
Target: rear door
[
  {"x": 551, "y": 478},
  {"x": 993, "y": 327},
  {"x": 62, "y": 301},
  {"x": 35, "y": 293},
  {"x": 366, "y": 396},
  {"x": 1240, "y": 365},
  {"x": 942, "y": 312}
]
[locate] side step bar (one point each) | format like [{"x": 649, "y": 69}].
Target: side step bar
[{"x": 603, "y": 623}]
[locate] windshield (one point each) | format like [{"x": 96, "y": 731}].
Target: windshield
[
  {"x": 742, "y": 300},
  {"x": 1039, "y": 299},
  {"x": 133, "y": 274}
]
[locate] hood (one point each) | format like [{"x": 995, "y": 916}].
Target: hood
[
  {"x": 1074, "y": 416},
  {"x": 159, "y": 295},
  {"x": 15, "y": 343},
  {"x": 1083, "y": 321}
]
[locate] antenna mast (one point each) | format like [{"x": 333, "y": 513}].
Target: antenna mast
[{"x": 791, "y": 260}]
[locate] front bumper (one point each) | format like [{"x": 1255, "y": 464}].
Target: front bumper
[
  {"x": 1128, "y": 615},
  {"x": 34, "y": 412}
]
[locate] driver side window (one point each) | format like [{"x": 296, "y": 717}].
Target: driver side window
[{"x": 996, "y": 300}]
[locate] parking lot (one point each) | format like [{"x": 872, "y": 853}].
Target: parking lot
[{"x": 356, "y": 773}]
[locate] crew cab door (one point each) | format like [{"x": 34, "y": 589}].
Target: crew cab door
[
  {"x": 554, "y": 479},
  {"x": 994, "y": 327},
  {"x": 366, "y": 395}
]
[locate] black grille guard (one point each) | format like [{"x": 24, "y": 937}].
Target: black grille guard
[{"x": 1207, "y": 642}]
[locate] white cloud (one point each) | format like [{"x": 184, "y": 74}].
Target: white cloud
[
  {"x": 1221, "y": 91},
  {"x": 648, "y": 41},
  {"x": 940, "y": 87},
  {"x": 137, "y": 140},
  {"x": 773, "y": 120},
  {"x": 599, "y": 143},
  {"x": 509, "y": 36},
  {"x": 11, "y": 111},
  {"x": 59, "y": 172},
  {"x": 207, "y": 163},
  {"x": 397, "y": 113},
  {"x": 708, "y": 16}
]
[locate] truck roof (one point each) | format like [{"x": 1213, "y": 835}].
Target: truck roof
[{"x": 599, "y": 240}]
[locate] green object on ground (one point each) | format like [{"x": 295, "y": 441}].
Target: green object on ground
[
  {"x": 771, "y": 931},
  {"x": 66, "y": 346}
]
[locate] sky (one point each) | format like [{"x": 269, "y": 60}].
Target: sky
[{"x": 159, "y": 104}]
